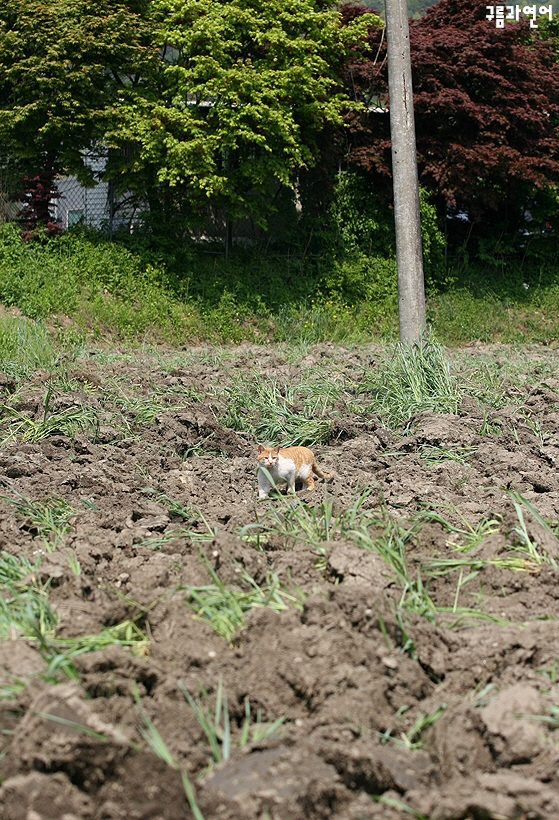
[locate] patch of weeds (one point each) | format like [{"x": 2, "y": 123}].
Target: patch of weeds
[
  {"x": 490, "y": 383},
  {"x": 296, "y": 521},
  {"x": 490, "y": 426},
  {"x": 470, "y": 536},
  {"x": 520, "y": 557},
  {"x": 191, "y": 393},
  {"x": 201, "y": 447},
  {"x": 379, "y": 532},
  {"x": 376, "y": 531},
  {"x": 67, "y": 422},
  {"x": 536, "y": 553},
  {"x": 533, "y": 425},
  {"x": 416, "y": 379},
  {"x": 156, "y": 542},
  {"x": 24, "y": 607},
  {"x": 185, "y": 512},
  {"x": 321, "y": 319},
  {"x": 47, "y": 520},
  {"x": 25, "y": 346},
  {"x": 551, "y": 672},
  {"x": 413, "y": 739},
  {"x": 216, "y": 723},
  {"x": 61, "y": 651},
  {"x": 217, "y": 727},
  {"x": 225, "y": 608},
  {"x": 152, "y": 737},
  {"x": 142, "y": 409},
  {"x": 274, "y": 412},
  {"x": 444, "y": 566},
  {"x": 25, "y": 612},
  {"x": 438, "y": 455},
  {"x": 64, "y": 383}
]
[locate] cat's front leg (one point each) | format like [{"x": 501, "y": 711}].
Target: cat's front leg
[{"x": 264, "y": 484}]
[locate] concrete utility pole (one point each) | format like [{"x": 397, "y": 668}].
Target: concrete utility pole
[{"x": 409, "y": 254}]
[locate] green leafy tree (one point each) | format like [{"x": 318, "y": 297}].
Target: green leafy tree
[
  {"x": 237, "y": 105},
  {"x": 64, "y": 66}
]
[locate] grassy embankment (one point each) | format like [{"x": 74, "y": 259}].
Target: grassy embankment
[{"x": 107, "y": 290}]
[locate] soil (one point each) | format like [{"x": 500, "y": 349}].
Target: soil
[{"x": 352, "y": 673}]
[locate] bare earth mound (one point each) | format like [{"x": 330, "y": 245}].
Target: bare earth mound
[{"x": 385, "y": 646}]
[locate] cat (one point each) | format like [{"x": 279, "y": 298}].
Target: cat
[{"x": 290, "y": 464}]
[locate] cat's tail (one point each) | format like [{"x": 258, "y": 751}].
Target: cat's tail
[{"x": 317, "y": 471}]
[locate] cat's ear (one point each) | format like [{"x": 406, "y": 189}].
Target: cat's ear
[
  {"x": 277, "y": 448},
  {"x": 260, "y": 448}
]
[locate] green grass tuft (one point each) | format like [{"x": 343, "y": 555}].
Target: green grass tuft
[
  {"x": 25, "y": 346},
  {"x": 225, "y": 608},
  {"x": 416, "y": 379}
]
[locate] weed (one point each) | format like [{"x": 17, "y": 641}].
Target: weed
[
  {"x": 217, "y": 727},
  {"x": 66, "y": 422},
  {"x": 72, "y": 724},
  {"x": 470, "y": 535},
  {"x": 291, "y": 414},
  {"x": 73, "y": 561},
  {"x": 225, "y": 608},
  {"x": 525, "y": 544},
  {"x": 468, "y": 617},
  {"x": 416, "y": 379},
  {"x": 43, "y": 519},
  {"x": 482, "y": 694},
  {"x": 412, "y": 739},
  {"x": 10, "y": 691},
  {"x": 395, "y": 803},
  {"x": 185, "y": 512},
  {"x": 552, "y": 719},
  {"x": 490, "y": 426},
  {"x": 551, "y": 672},
  {"x": 25, "y": 346},
  {"x": 438, "y": 455},
  {"x": 157, "y": 744}
]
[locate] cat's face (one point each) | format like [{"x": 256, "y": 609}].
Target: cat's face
[{"x": 268, "y": 455}]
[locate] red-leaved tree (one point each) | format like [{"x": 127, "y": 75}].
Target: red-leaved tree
[
  {"x": 486, "y": 108},
  {"x": 38, "y": 194}
]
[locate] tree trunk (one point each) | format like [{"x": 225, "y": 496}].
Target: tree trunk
[{"x": 409, "y": 255}]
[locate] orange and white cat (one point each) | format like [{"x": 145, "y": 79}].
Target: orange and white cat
[{"x": 290, "y": 464}]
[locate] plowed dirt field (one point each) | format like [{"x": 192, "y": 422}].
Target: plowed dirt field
[{"x": 386, "y": 645}]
